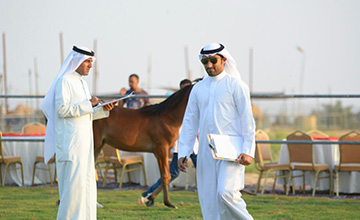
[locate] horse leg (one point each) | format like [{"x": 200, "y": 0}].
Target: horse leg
[
  {"x": 98, "y": 139},
  {"x": 162, "y": 157},
  {"x": 157, "y": 191}
]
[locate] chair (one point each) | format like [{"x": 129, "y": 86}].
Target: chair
[
  {"x": 349, "y": 157},
  {"x": 263, "y": 154},
  {"x": 33, "y": 128},
  {"x": 9, "y": 160},
  {"x": 113, "y": 160},
  {"x": 317, "y": 134},
  {"x": 301, "y": 158},
  {"x": 40, "y": 159},
  {"x": 104, "y": 162}
]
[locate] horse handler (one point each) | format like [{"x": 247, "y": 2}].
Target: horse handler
[
  {"x": 69, "y": 109},
  {"x": 219, "y": 104}
]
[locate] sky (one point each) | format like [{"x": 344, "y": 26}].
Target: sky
[{"x": 129, "y": 32}]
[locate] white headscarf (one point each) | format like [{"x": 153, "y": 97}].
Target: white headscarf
[
  {"x": 76, "y": 57},
  {"x": 217, "y": 48}
]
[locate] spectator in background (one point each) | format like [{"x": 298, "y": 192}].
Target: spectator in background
[{"x": 134, "y": 103}]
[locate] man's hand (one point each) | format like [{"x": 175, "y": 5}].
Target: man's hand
[
  {"x": 244, "y": 159},
  {"x": 122, "y": 91},
  {"x": 108, "y": 107},
  {"x": 182, "y": 162},
  {"x": 94, "y": 101}
]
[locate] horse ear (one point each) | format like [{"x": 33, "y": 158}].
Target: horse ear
[{"x": 198, "y": 80}]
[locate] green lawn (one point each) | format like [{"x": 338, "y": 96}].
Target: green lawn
[{"x": 39, "y": 203}]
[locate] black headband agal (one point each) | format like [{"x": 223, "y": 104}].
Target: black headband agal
[
  {"x": 212, "y": 51},
  {"x": 83, "y": 51}
]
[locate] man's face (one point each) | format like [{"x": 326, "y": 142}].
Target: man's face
[
  {"x": 214, "y": 69},
  {"x": 133, "y": 83},
  {"x": 85, "y": 67}
]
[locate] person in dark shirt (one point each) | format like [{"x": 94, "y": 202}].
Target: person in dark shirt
[{"x": 134, "y": 103}]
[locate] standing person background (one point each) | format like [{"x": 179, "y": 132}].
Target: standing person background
[
  {"x": 134, "y": 103},
  {"x": 219, "y": 104},
  {"x": 147, "y": 197},
  {"x": 69, "y": 109}
]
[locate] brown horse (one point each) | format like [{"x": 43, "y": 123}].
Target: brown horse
[{"x": 153, "y": 128}]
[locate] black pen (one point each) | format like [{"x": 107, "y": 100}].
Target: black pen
[{"x": 184, "y": 161}]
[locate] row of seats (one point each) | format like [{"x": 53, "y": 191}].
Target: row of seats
[
  {"x": 301, "y": 158},
  {"x": 111, "y": 159},
  {"x": 32, "y": 128},
  {"x": 37, "y": 128}
]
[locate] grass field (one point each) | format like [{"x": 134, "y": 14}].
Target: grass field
[{"x": 39, "y": 203}]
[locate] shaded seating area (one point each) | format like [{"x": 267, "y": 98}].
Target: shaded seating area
[
  {"x": 265, "y": 164},
  {"x": 112, "y": 160}
]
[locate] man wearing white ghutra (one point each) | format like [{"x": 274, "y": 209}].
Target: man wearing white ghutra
[
  {"x": 70, "y": 110},
  {"x": 219, "y": 104}
]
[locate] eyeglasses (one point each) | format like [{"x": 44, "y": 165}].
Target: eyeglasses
[{"x": 205, "y": 60}]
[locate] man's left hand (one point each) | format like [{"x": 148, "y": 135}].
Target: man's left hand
[{"x": 244, "y": 159}]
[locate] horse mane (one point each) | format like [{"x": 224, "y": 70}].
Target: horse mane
[{"x": 166, "y": 105}]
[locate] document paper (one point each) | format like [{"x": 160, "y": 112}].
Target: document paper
[{"x": 115, "y": 100}]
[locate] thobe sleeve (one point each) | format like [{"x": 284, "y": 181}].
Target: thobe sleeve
[
  {"x": 99, "y": 113},
  {"x": 64, "y": 107},
  {"x": 190, "y": 126},
  {"x": 247, "y": 122}
]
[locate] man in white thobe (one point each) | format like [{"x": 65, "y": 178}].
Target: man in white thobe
[
  {"x": 70, "y": 110},
  {"x": 219, "y": 104}
]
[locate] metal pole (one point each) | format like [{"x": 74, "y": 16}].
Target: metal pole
[
  {"x": 95, "y": 76},
  {"x": 300, "y": 107},
  {"x": 30, "y": 89},
  {"x": 36, "y": 82},
  {"x": 5, "y": 75},
  {"x": 187, "y": 66},
  {"x": 61, "y": 49},
  {"x": 2, "y": 119},
  {"x": 302, "y": 69},
  {"x": 149, "y": 73},
  {"x": 251, "y": 69}
]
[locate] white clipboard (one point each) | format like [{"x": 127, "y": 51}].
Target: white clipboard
[
  {"x": 225, "y": 147},
  {"x": 115, "y": 100}
]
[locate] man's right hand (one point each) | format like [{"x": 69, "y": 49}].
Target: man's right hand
[
  {"x": 182, "y": 162},
  {"x": 94, "y": 101},
  {"x": 122, "y": 91}
]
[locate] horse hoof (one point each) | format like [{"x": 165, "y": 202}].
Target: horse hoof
[{"x": 170, "y": 205}]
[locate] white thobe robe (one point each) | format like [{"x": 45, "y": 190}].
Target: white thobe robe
[
  {"x": 75, "y": 148},
  {"x": 219, "y": 105}
]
